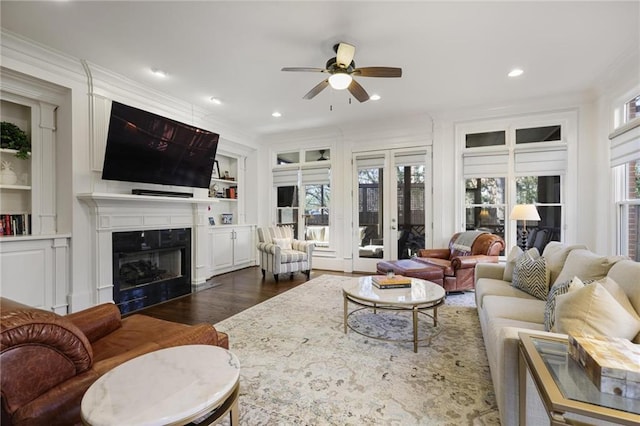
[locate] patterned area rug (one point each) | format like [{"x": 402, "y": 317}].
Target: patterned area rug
[{"x": 299, "y": 368}]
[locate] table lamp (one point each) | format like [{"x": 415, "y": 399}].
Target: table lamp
[{"x": 524, "y": 212}]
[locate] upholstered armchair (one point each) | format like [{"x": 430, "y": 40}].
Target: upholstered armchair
[
  {"x": 49, "y": 360},
  {"x": 459, "y": 260},
  {"x": 280, "y": 253}
]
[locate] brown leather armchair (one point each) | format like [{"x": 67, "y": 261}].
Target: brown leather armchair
[
  {"x": 458, "y": 262},
  {"x": 49, "y": 361}
]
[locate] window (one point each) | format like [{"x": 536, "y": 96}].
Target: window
[
  {"x": 527, "y": 163},
  {"x": 544, "y": 192},
  {"x": 476, "y": 140},
  {"x": 632, "y": 109},
  {"x": 485, "y": 204},
  {"x": 310, "y": 215},
  {"x": 629, "y": 210}
]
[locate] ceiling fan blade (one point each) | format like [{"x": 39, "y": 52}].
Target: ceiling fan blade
[
  {"x": 344, "y": 55},
  {"x": 319, "y": 88},
  {"x": 358, "y": 91},
  {"x": 378, "y": 72},
  {"x": 304, "y": 69}
]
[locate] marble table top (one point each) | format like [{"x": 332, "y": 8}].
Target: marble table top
[
  {"x": 420, "y": 292},
  {"x": 162, "y": 387}
]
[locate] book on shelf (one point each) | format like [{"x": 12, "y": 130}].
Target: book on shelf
[
  {"x": 397, "y": 281},
  {"x": 15, "y": 224},
  {"x": 612, "y": 364}
]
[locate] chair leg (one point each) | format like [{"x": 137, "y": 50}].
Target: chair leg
[
  {"x": 275, "y": 276},
  {"x": 263, "y": 272},
  {"x": 291, "y": 276},
  {"x": 308, "y": 273}
]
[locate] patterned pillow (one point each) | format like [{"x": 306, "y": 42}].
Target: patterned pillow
[
  {"x": 531, "y": 275},
  {"x": 556, "y": 290}
]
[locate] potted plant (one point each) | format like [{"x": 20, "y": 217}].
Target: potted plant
[{"x": 13, "y": 137}]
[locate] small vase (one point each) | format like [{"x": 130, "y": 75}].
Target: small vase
[{"x": 8, "y": 176}]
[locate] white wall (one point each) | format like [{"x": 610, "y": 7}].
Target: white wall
[{"x": 77, "y": 172}]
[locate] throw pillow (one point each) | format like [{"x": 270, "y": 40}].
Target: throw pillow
[
  {"x": 556, "y": 290},
  {"x": 283, "y": 243},
  {"x": 585, "y": 265},
  {"x": 593, "y": 310},
  {"x": 511, "y": 263},
  {"x": 530, "y": 274}
]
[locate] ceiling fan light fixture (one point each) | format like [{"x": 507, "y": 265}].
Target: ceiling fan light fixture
[{"x": 340, "y": 80}]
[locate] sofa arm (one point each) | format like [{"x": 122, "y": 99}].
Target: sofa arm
[
  {"x": 98, "y": 321},
  {"x": 437, "y": 253},
  {"x": 489, "y": 270},
  {"x": 305, "y": 246},
  {"x": 465, "y": 262},
  {"x": 39, "y": 350}
]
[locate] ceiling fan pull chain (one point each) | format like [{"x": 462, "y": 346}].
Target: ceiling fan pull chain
[{"x": 330, "y": 107}]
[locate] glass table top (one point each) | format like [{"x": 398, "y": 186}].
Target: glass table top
[{"x": 573, "y": 381}]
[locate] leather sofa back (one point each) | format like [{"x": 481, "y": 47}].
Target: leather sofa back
[{"x": 485, "y": 244}]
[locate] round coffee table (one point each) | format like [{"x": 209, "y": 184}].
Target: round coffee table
[
  {"x": 423, "y": 297},
  {"x": 171, "y": 386}
]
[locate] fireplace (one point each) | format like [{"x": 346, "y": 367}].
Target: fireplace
[{"x": 150, "y": 266}]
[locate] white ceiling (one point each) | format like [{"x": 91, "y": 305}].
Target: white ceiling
[{"x": 453, "y": 54}]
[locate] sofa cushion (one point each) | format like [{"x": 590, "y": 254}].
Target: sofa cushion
[
  {"x": 531, "y": 275},
  {"x": 514, "y": 254},
  {"x": 556, "y": 255},
  {"x": 594, "y": 310},
  {"x": 283, "y": 243},
  {"x": 627, "y": 274},
  {"x": 493, "y": 287},
  {"x": 516, "y": 308},
  {"x": 585, "y": 265}
]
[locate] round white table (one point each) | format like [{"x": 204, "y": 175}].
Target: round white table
[
  {"x": 171, "y": 386},
  {"x": 421, "y": 297}
]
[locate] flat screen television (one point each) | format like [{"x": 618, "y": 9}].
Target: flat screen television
[{"x": 145, "y": 147}]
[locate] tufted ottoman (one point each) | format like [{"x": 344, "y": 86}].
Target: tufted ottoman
[{"x": 411, "y": 268}]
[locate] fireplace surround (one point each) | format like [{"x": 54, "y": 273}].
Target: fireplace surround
[{"x": 150, "y": 266}]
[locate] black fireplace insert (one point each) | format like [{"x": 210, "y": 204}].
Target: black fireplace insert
[{"x": 150, "y": 266}]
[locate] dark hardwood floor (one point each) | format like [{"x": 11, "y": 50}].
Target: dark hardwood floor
[{"x": 229, "y": 294}]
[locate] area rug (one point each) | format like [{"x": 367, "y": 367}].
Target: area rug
[{"x": 298, "y": 367}]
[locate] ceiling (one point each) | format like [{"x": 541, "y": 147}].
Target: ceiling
[{"x": 453, "y": 54}]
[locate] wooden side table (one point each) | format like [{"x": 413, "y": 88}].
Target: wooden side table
[
  {"x": 172, "y": 386},
  {"x": 565, "y": 388}
]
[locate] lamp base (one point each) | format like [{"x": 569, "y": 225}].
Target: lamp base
[{"x": 523, "y": 239}]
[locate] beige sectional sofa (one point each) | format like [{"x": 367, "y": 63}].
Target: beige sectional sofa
[{"x": 504, "y": 311}]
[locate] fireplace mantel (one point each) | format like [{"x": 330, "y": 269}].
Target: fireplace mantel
[{"x": 112, "y": 212}]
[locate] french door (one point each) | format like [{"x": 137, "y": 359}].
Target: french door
[{"x": 391, "y": 202}]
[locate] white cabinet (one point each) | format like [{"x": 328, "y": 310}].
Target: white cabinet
[{"x": 231, "y": 247}]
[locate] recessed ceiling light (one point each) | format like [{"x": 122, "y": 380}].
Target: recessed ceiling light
[
  {"x": 374, "y": 97},
  {"x": 215, "y": 100},
  {"x": 515, "y": 72},
  {"x": 276, "y": 114},
  {"x": 158, "y": 73}
]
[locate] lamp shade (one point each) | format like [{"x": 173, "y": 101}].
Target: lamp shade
[{"x": 524, "y": 212}]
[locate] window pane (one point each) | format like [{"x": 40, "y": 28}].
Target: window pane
[
  {"x": 485, "y": 191},
  {"x": 316, "y": 214},
  {"x": 476, "y": 140},
  {"x": 633, "y": 192},
  {"x": 370, "y": 212},
  {"x": 633, "y": 231},
  {"x": 410, "y": 194},
  {"x": 490, "y": 219},
  {"x": 317, "y": 155},
  {"x": 538, "y": 189},
  {"x": 633, "y": 108},
  {"x": 287, "y": 196},
  {"x": 539, "y": 134},
  {"x": 288, "y": 157}
]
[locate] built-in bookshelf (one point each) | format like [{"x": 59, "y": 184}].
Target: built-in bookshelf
[{"x": 15, "y": 176}]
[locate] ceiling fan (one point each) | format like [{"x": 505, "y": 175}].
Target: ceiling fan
[{"x": 342, "y": 68}]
